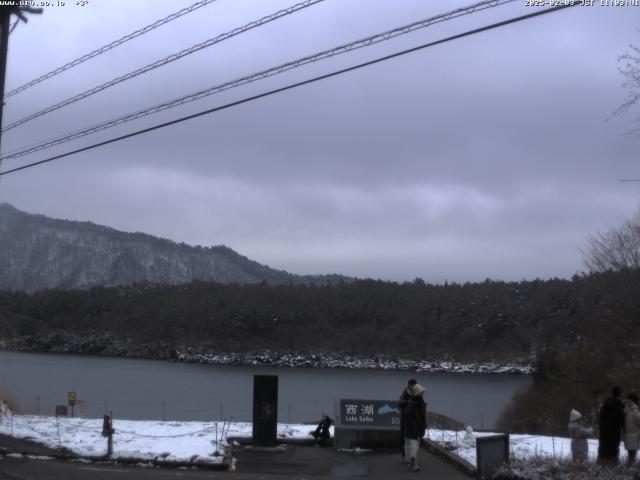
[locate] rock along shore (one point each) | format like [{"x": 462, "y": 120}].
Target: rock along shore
[{"x": 107, "y": 345}]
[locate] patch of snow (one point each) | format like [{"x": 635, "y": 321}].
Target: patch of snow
[
  {"x": 328, "y": 360},
  {"x": 355, "y": 450},
  {"x": 196, "y": 442},
  {"x": 521, "y": 446}
]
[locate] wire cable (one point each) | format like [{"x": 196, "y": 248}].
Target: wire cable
[
  {"x": 293, "y": 85},
  {"x": 332, "y": 52},
  {"x": 164, "y": 61},
  {"x": 110, "y": 46}
]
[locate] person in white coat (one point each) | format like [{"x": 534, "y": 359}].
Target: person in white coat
[
  {"x": 579, "y": 433},
  {"x": 631, "y": 432}
]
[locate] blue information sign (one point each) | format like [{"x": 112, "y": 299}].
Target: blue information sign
[{"x": 375, "y": 413}]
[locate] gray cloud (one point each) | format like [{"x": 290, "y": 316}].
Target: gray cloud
[{"x": 485, "y": 157}]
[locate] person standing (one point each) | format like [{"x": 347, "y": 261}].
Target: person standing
[
  {"x": 631, "y": 434},
  {"x": 402, "y": 406},
  {"x": 611, "y": 423},
  {"x": 579, "y": 432},
  {"x": 414, "y": 425}
]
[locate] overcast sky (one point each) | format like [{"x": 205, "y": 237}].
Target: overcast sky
[{"x": 485, "y": 157}]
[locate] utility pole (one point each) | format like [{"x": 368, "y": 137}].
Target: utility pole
[
  {"x": 5, "y": 25},
  {"x": 5, "y": 22}
]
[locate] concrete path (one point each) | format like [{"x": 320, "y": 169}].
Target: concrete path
[
  {"x": 298, "y": 462},
  {"x": 286, "y": 462},
  {"x": 10, "y": 444}
]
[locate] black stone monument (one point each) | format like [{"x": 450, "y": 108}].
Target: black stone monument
[{"x": 265, "y": 410}]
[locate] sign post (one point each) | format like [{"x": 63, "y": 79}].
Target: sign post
[
  {"x": 367, "y": 424},
  {"x": 71, "y": 397},
  {"x": 82, "y": 405},
  {"x": 491, "y": 453},
  {"x": 61, "y": 411}
]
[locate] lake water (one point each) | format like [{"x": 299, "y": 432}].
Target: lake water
[{"x": 151, "y": 389}]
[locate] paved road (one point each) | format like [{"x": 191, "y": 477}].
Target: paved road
[
  {"x": 26, "y": 469},
  {"x": 13, "y": 444},
  {"x": 286, "y": 462},
  {"x": 292, "y": 462},
  {"x": 316, "y": 462}
]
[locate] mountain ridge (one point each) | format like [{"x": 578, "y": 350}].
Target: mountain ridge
[{"x": 39, "y": 252}]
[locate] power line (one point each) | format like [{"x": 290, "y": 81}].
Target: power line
[
  {"x": 10, "y": 8},
  {"x": 364, "y": 42},
  {"x": 294, "y": 85},
  {"x": 110, "y": 46},
  {"x": 164, "y": 61}
]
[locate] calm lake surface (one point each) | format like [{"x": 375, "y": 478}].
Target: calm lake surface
[{"x": 149, "y": 389}]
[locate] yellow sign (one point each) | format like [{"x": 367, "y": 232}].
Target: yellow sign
[{"x": 71, "y": 396}]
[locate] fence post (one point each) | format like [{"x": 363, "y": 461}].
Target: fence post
[
  {"x": 107, "y": 431},
  {"x": 58, "y": 427}
]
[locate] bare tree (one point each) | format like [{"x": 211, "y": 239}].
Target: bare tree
[
  {"x": 631, "y": 72},
  {"x": 616, "y": 249}
]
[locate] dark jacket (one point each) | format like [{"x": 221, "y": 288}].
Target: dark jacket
[
  {"x": 414, "y": 421},
  {"x": 611, "y": 422},
  {"x": 403, "y": 401}
]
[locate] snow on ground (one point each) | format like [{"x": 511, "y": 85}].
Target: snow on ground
[
  {"x": 147, "y": 440},
  {"x": 199, "y": 441},
  {"x": 521, "y": 446}
]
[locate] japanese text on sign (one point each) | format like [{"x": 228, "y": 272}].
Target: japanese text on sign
[{"x": 369, "y": 412}]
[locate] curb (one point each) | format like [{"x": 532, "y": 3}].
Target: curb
[
  {"x": 122, "y": 460},
  {"x": 446, "y": 455},
  {"x": 57, "y": 456},
  {"x": 302, "y": 442},
  {"x": 223, "y": 466}
]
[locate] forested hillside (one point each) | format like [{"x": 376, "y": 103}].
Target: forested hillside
[
  {"x": 582, "y": 334},
  {"x": 474, "y": 321},
  {"x": 38, "y": 252}
]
